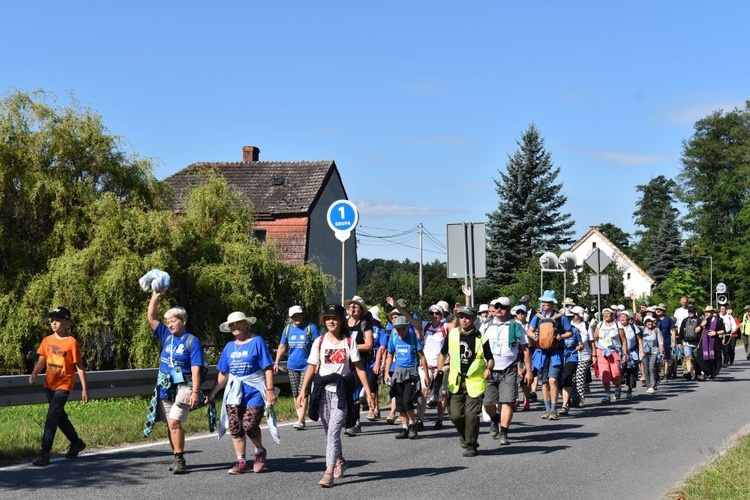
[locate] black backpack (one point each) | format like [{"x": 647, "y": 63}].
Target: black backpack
[{"x": 690, "y": 334}]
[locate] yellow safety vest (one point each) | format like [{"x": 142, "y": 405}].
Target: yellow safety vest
[{"x": 474, "y": 379}]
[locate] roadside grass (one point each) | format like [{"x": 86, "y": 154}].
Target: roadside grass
[
  {"x": 725, "y": 478},
  {"x": 103, "y": 423}
]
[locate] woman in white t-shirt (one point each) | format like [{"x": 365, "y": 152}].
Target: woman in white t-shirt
[
  {"x": 334, "y": 359},
  {"x": 609, "y": 337}
]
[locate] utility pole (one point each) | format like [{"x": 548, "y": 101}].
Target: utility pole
[{"x": 421, "y": 227}]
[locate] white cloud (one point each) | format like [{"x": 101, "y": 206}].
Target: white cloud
[
  {"x": 688, "y": 114},
  {"x": 386, "y": 207},
  {"x": 623, "y": 158}
]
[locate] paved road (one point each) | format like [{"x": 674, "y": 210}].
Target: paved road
[{"x": 640, "y": 448}]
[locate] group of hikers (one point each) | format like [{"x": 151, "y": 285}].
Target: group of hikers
[{"x": 464, "y": 361}]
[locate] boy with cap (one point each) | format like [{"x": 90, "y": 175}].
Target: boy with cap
[
  {"x": 299, "y": 336},
  {"x": 471, "y": 364},
  {"x": 60, "y": 354},
  {"x": 405, "y": 350}
]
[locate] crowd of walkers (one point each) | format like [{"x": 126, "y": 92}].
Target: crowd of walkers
[{"x": 469, "y": 363}]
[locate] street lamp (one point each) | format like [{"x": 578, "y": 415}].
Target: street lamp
[{"x": 711, "y": 284}]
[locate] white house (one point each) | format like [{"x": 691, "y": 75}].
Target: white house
[{"x": 635, "y": 279}]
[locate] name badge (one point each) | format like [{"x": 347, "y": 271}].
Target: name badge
[{"x": 176, "y": 374}]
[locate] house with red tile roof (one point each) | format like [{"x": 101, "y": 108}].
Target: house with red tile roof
[{"x": 291, "y": 201}]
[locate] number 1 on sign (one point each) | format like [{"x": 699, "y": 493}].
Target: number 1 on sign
[{"x": 341, "y": 211}]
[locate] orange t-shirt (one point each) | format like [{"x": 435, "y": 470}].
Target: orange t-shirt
[{"x": 62, "y": 356}]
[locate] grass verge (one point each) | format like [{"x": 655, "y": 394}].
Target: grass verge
[{"x": 725, "y": 478}]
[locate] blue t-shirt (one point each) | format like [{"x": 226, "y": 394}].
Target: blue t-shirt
[
  {"x": 298, "y": 343},
  {"x": 244, "y": 359},
  {"x": 569, "y": 346},
  {"x": 174, "y": 352},
  {"x": 404, "y": 351},
  {"x": 665, "y": 325}
]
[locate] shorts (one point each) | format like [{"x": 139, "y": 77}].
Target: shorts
[
  {"x": 688, "y": 348},
  {"x": 244, "y": 420},
  {"x": 405, "y": 393},
  {"x": 548, "y": 371},
  {"x": 177, "y": 409},
  {"x": 569, "y": 375},
  {"x": 667, "y": 351},
  {"x": 502, "y": 387},
  {"x": 295, "y": 380}
]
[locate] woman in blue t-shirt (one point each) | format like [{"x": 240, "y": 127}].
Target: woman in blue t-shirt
[
  {"x": 247, "y": 366},
  {"x": 179, "y": 380}
]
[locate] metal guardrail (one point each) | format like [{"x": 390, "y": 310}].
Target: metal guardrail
[{"x": 15, "y": 390}]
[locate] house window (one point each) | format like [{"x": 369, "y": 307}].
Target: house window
[
  {"x": 628, "y": 276},
  {"x": 593, "y": 244},
  {"x": 260, "y": 235}
]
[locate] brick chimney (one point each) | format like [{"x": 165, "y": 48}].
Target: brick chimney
[{"x": 250, "y": 154}]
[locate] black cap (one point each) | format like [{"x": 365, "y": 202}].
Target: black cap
[
  {"x": 525, "y": 299},
  {"x": 334, "y": 310},
  {"x": 59, "y": 312}
]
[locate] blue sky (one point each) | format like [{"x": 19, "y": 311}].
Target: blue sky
[{"x": 419, "y": 103}]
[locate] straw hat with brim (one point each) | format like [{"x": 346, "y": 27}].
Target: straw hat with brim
[
  {"x": 356, "y": 300},
  {"x": 746, "y": 308},
  {"x": 236, "y": 317},
  {"x": 444, "y": 305},
  {"x": 709, "y": 309}
]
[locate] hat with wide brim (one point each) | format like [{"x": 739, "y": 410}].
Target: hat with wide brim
[
  {"x": 709, "y": 309},
  {"x": 356, "y": 300},
  {"x": 548, "y": 296},
  {"x": 236, "y": 317}
]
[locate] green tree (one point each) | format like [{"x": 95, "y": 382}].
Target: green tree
[
  {"x": 657, "y": 197},
  {"x": 528, "y": 219},
  {"x": 681, "y": 282},
  {"x": 55, "y": 161},
  {"x": 667, "y": 251},
  {"x": 615, "y": 235},
  {"x": 714, "y": 184}
]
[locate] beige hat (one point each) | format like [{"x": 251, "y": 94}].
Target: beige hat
[
  {"x": 357, "y": 300},
  {"x": 577, "y": 310},
  {"x": 444, "y": 305},
  {"x": 709, "y": 309},
  {"x": 234, "y": 318}
]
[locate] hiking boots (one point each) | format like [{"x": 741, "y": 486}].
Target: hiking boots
[
  {"x": 420, "y": 425},
  {"x": 326, "y": 481},
  {"x": 75, "y": 449},
  {"x": 259, "y": 464},
  {"x": 179, "y": 466},
  {"x": 41, "y": 460},
  {"x": 470, "y": 451},
  {"x": 403, "y": 433},
  {"x": 553, "y": 415},
  {"x": 240, "y": 467},
  {"x": 494, "y": 429},
  {"x": 438, "y": 425},
  {"x": 339, "y": 469},
  {"x": 413, "y": 431},
  {"x": 503, "y": 439}
]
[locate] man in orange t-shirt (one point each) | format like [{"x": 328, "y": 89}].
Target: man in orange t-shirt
[{"x": 60, "y": 354}]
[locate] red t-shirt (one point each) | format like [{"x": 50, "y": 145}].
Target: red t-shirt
[{"x": 62, "y": 355}]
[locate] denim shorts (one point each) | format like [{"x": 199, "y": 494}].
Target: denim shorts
[{"x": 688, "y": 348}]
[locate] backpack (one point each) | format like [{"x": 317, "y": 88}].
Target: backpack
[
  {"x": 204, "y": 368},
  {"x": 289, "y": 326},
  {"x": 690, "y": 325},
  {"x": 546, "y": 328}
]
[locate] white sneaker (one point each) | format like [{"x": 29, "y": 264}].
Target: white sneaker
[
  {"x": 300, "y": 426},
  {"x": 650, "y": 390}
]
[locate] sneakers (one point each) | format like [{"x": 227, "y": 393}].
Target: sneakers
[
  {"x": 391, "y": 418},
  {"x": 503, "y": 439},
  {"x": 553, "y": 415},
  {"x": 300, "y": 426},
  {"x": 438, "y": 425},
  {"x": 545, "y": 415},
  {"x": 326, "y": 480},
  {"x": 358, "y": 428},
  {"x": 494, "y": 430},
  {"x": 259, "y": 464},
  {"x": 75, "y": 449},
  {"x": 605, "y": 399},
  {"x": 41, "y": 460},
  {"x": 371, "y": 416},
  {"x": 351, "y": 432},
  {"x": 339, "y": 469},
  {"x": 420, "y": 425},
  {"x": 413, "y": 431},
  {"x": 564, "y": 410},
  {"x": 240, "y": 467},
  {"x": 179, "y": 466},
  {"x": 402, "y": 434},
  {"x": 650, "y": 390}
]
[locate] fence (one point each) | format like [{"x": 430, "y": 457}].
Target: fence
[{"x": 15, "y": 390}]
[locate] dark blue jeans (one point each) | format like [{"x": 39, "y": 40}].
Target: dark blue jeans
[{"x": 56, "y": 417}]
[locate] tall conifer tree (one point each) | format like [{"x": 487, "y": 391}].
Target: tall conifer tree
[{"x": 528, "y": 219}]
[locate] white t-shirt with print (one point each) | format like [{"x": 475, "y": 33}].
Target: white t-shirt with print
[
  {"x": 332, "y": 357},
  {"x": 609, "y": 335},
  {"x": 498, "y": 334},
  {"x": 434, "y": 338}
]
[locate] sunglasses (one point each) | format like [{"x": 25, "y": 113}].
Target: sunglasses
[{"x": 435, "y": 313}]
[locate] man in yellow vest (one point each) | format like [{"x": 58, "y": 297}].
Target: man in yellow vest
[{"x": 471, "y": 364}]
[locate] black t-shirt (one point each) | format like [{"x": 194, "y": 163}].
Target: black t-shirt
[
  {"x": 467, "y": 354},
  {"x": 359, "y": 331}
]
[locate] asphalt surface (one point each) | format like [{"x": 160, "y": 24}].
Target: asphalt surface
[{"x": 640, "y": 448}]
